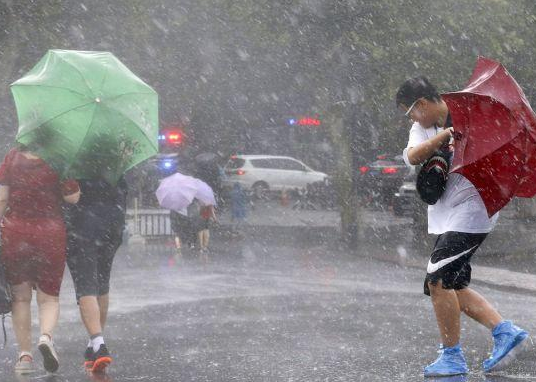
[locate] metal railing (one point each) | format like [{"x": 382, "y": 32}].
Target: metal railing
[{"x": 148, "y": 222}]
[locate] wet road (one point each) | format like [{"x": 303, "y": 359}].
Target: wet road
[{"x": 263, "y": 311}]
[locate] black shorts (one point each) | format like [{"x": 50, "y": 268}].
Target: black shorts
[
  {"x": 93, "y": 237},
  {"x": 450, "y": 261}
]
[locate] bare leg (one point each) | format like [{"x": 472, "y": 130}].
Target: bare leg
[
  {"x": 177, "y": 242},
  {"x": 178, "y": 246},
  {"x": 200, "y": 239},
  {"x": 447, "y": 311},
  {"x": 104, "y": 302},
  {"x": 203, "y": 243},
  {"x": 22, "y": 315},
  {"x": 49, "y": 312},
  {"x": 91, "y": 315},
  {"x": 178, "y": 249},
  {"x": 206, "y": 237},
  {"x": 478, "y": 308}
]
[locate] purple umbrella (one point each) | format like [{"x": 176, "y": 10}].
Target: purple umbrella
[
  {"x": 176, "y": 192},
  {"x": 205, "y": 194}
]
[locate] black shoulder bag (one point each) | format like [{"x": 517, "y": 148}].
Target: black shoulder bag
[{"x": 433, "y": 176}]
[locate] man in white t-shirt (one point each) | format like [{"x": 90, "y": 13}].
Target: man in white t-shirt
[{"x": 460, "y": 219}]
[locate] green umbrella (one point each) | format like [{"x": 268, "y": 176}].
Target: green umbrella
[{"x": 86, "y": 114}]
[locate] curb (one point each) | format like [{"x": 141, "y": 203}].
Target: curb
[
  {"x": 496, "y": 278},
  {"x": 372, "y": 243}
]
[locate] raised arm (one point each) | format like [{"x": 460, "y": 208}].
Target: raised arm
[{"x": 423, "y": 151}]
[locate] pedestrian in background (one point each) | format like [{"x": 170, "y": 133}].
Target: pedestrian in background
[
  {"x": 33, "y": 248},
  {"x": 207, "y": 215},
  {"x": 238, "y": 206},
  {"x": 95, "y": 230},
  {"x": 184, "y": 233}
]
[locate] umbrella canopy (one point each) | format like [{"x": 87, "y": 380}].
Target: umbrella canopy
[
  {"x": 86, "y": 114},
  {"x": 176, "y": 192},
  {"x": 496, "y": 135},
  {"x": 205, "y": 194}
]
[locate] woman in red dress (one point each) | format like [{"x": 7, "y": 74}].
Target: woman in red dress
[{"x": 33, "y": 247}]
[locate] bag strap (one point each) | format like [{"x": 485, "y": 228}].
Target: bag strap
[{"x": 4, "y": 330}]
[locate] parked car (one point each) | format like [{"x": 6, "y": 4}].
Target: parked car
[
  {"x": 263, "y": 173},
  {"x": 406, "y": 200},
  {"x": 382, "y": 178}
]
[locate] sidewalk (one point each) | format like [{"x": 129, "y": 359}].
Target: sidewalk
[
  {"x": 490, "y": 276},
  {"x": 269, "y": 214},
  {"x": 384, "y": 235},
  {"x": 384, "y": 227}
]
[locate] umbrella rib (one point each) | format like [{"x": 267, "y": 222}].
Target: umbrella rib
[
  {"x": 498, "y": 148},
  {"x": 104, "y": 78},
  {"x": 127, "y": 117},
  {"x": 130, "y": 93},
  {"x": 82, "y": 142},
  {"x": 79, "y": 72},
  {"x": 59, "y": 115},
  {"x": 54, "y": 87}
]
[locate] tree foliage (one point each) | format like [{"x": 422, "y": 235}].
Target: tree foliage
[{"x": 242, "y": 65}]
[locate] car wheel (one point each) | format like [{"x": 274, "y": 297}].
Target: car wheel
[{"x": 260, "y": 190}]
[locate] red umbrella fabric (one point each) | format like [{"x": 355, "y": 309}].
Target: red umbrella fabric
[{"x": 496, "y": 135}]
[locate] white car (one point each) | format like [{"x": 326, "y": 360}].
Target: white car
[{"x": 262, "y": 173}]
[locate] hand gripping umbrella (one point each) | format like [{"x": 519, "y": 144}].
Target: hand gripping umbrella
[
  {"x": 86, "y": 114},
  {"x": 496, "y": 135}
]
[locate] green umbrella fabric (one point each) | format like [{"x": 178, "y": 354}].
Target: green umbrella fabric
[{"x": 86, "y": 114}]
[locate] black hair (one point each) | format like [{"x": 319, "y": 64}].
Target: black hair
[{"x": 413, "y": 89}]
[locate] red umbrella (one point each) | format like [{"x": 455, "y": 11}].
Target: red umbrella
[{"x": 496, "y": 140}]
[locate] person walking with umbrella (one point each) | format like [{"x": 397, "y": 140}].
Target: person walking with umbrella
[
  {"x": 206, "y": 216},
  {"x": 33, "y": 247},
  {"x": 93, "y": 119},
  {"x": 458, "y": 215},
  {"x": 95, "y": 230},
  {"x": 183, "y": 230},
  {"x": 179, "y": 192}
]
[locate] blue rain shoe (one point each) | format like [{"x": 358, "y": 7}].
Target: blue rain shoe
[
  {"x": 450, "y": 362},
  {"x": 450, "y": 378},
  {"x": 508, "y": 342}
]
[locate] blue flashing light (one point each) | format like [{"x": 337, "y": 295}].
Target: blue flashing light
[
  {"x": 161, "y": 137},
  {"x": 292, "y": 121},
  {"x": 168, "y": 165}
]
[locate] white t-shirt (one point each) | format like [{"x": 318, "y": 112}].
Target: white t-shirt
[{"x": 460, "y": 208}]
